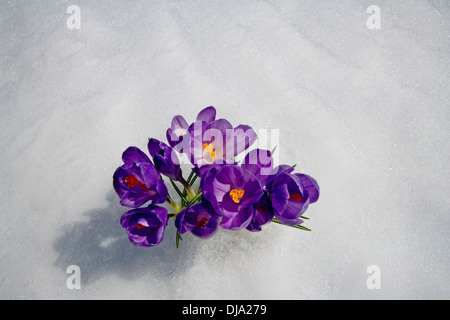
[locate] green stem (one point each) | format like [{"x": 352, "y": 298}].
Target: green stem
[
  {"x": 195, "y": 199},
  {"x": 190, "y": 177},
  {"x": 193, "y": 180},
  {"x": 178, "y": 238},
  {"x": 173, "y": 204},
  {"x": 178, "y": 191},
  {"x": 190, "y": 192},
  {"x": 273, "y": 150}
]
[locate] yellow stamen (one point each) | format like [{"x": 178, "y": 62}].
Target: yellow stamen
[
  {"x": 209, "y": 147},
  {"x": 236, "y": 195}
]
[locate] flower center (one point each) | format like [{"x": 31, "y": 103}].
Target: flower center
[
  {"x": 236, "y": 195},
  {"x": 209, "y": 147},
  {"x": 140, "y": 226},
  {"x": 133, "y": 181},
  {"x": 202, "y": 223},
  {"x": 296, "y": 197}
]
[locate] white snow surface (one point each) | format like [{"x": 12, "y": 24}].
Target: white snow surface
[{"x": 365, "y": 112}]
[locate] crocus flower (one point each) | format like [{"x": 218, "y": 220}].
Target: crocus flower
[
  {"x": 145, "y": 226},
  {"x": 137, "y": 180},
  {"x": 178, "y": 134},
  {"x": 263, "y": 213},
  {"x": 218, "y": 142},
  {"x": 291, "y": 195},
  {"x": 198, "y": 220},
  {"x": 165, "y": 159},
  {"x": 232, "y": 193}
]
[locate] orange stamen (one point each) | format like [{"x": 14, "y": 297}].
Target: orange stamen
[
  {"x": 296, "y": 197},
  {"x": 202, "y": 223},
  {"x": 133, "y": 181},
  {"x": 209, "y": 147},
  {"x": 236, "y": 195}
]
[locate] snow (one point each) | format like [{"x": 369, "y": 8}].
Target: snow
[{"x": 365, "y": 112}]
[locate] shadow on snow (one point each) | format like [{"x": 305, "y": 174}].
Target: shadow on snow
[{"x": 100, "y": 247}]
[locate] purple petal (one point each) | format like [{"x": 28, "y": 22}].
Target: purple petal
[
  {"x": 162, "y": 192},
  {"x": 145, "y": 226},
  {"x": 231, "y": 175},
  {"x": 283, "y": 168},
  {"x": 253, "y": 192},
  {"x": 239, "y": 139},
  {"x": 208, "y": 114},
  {"x": 149, "y": 173},
  {"x": 134, "y": 199},
  {"x": 221, "y": 125},
  {"x": 134, "y": 154},
  {"x": 262, "y": 215},
  {"x": 310, "y": 185},
  {"x": 178, "y": 122},
  {"x": 279, "y": 198},
  {"x": 240, "y": 220},
  {"x": 155, "y": 146},
  {"x": 180, "y": 224},
  {"x": 118, "y": 177},
  {"x": 259, "y": 162},
  {"x": 166, "y": 167}
]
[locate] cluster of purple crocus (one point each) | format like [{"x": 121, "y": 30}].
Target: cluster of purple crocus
[{"x": 233, "y": 195}]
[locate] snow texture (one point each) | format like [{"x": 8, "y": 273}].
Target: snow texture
[{"x": 364, "y": 111}]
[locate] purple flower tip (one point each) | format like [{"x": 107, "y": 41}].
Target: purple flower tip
[
  {"x": 137, "y": 181},
  {"x": 145, "y": 226},
  {"x": 198, "y": 220},
  {"x": 291, "y": 195},
  {"x": 165, "y": 159}
]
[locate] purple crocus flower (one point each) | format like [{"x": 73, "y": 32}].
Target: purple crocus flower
[
  {"x": 198, "y": 220},
  {"x": 165, "y": 159},
  {"x": 291, "y": 195},
  {"x": 232, "y": 193},
  {"x": 218, "y": 142},
  {"x": 263, "y": 213},
  {"x": 137, "y": 180},
  {"x": 178, "y": 134},
  {"x": 145, "y": 226}
]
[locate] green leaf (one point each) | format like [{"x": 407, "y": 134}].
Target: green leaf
[
  {"x": 178, "y": 238},
  {"x": 300, "y": 227},
  {"x": 178, "y": 191},
  {"x": 190, "y": 177},
  {"x": 296, "y": 227},
  {"x": 193, "y": 179},
  {"x": 273, "y": 150},
  {"x": 195, "y": 199}
]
